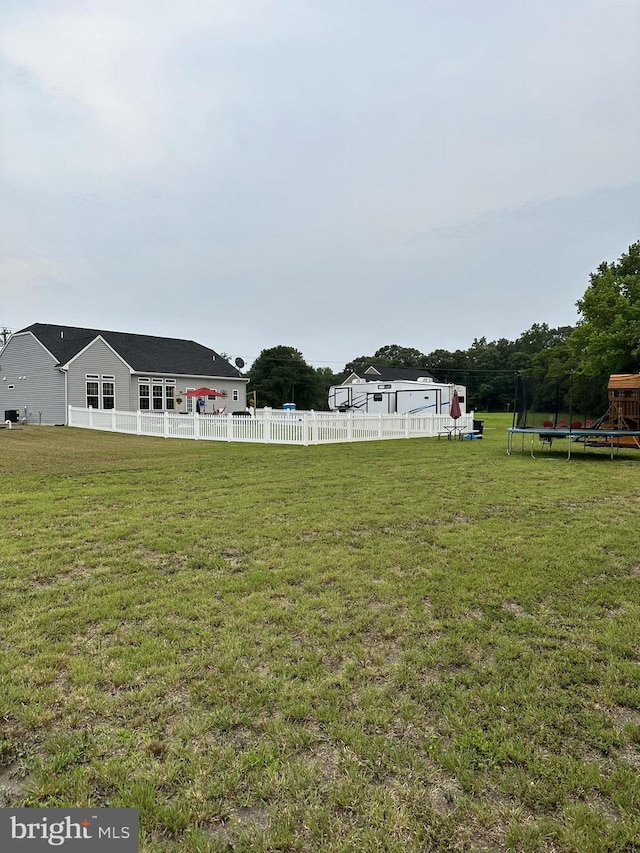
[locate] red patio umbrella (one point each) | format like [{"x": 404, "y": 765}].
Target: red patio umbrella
[
  {"x": 455, "y": 411},
  {"x": 203, "y": 392}
]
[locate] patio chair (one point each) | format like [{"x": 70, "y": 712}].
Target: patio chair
[{"x": 546, "y": 439}]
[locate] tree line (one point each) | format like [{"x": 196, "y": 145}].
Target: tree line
[{"x": 555, "y": 362}]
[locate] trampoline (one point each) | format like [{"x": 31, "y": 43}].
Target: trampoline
[
  {"x": 618, "y": 428},
  {"x": 612, "y": 438}
]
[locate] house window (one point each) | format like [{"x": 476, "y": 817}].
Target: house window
[
  {"x": 143, "y": 395},
  {"x": 158, "y": 397},
  {"x": 170, "y": 396},
  {"x": 235, "y": 395},
  {"x": 108, "y": 395},
  {"x": 377, "y": 398},
  {"x": 93, "y": 398}
]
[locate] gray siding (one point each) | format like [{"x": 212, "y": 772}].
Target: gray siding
[
  {"x": 100, "y": 359},
  {"x": 185, "y": 382},
  {"x": 38, "y": 383}
]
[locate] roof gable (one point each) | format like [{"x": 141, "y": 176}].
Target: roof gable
[
  {"x": 144, "y": 353},
  {"x": 92, "y": 343},
  {"x": 25, "y": 333}
]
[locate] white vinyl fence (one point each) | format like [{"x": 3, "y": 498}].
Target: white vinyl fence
[{"x": 269, "y": 426}]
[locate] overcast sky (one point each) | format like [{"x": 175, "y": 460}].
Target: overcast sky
[{"x": 334, "y": 175}]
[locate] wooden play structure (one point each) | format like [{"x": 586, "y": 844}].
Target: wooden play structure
[{"x": 624, "y": 408}]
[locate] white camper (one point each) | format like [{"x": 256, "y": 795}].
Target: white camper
[{"x": 419, "y": 397}]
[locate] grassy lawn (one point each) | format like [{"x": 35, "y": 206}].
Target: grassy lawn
[{"x": 389, "y": 646}]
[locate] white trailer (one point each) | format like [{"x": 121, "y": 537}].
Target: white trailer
[{"x": 401, "y": 396}]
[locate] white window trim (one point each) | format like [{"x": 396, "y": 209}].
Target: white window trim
[
  {"x": 144, "y": 382},
  {"x": 94, "y": 379}
]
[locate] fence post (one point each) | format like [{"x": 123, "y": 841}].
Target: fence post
[
  {"x": 90, "y": 417},
  {"x": 380, "y": 425},
  {"x": 139, "y": 422},
  {"x": 196, "y": 424},
  {"x": 113, "y": 420},
  {"x": 350, "y": 425},
  {"x": 166, "y": 424},
  {"x": 407, "y": 430},
  {"x": 229, "y": 426},
  {"x": 267, "y": 425}
]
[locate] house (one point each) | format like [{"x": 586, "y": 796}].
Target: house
[
  {"x": 381, "y": 373},
  {"x": 45, "y": 368}
]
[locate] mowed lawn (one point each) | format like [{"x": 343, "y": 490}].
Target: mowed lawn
[{"x": 414, "y": 645}]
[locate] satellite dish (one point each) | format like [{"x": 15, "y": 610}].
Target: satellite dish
[{"x": 239, "y": 363}]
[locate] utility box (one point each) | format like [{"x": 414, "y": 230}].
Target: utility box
[{"x": 12, "y": 415}]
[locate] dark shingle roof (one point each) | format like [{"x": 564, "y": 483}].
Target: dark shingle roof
[
  {"x": 388, "y": 374},
  {"x": 144, "y": 353}
]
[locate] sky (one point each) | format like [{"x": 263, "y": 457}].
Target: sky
[{"x": 332, "y": 175}]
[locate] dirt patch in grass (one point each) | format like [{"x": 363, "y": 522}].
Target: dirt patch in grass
[
  {"x": 454, "y": 518},
  {"x": 240, "y": 820},
  {"x": 614, "y": 612},
  {"x": 12, "y": 784},
  {"x": 600, "y": 803},
  {"x": 621, "y": 716},
  {"x": 630, "y": 754},
  {"x": 473, "y": 614},
  {"x": 514, "y": 608},
  {"x": 444, "y": 796},
  {"x": 232, "y": 557},
  {"x": 431, "y": 675},
  {"x": 327, "y": 759}
]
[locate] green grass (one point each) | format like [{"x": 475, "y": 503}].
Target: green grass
[{"x": 405, "y": 645}]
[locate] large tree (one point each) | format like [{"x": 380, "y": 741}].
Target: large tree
[
  {"x": 281, "y": 375},
  {"x": 607, "y": 339},
  {"x": 391, "y": 355}
]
